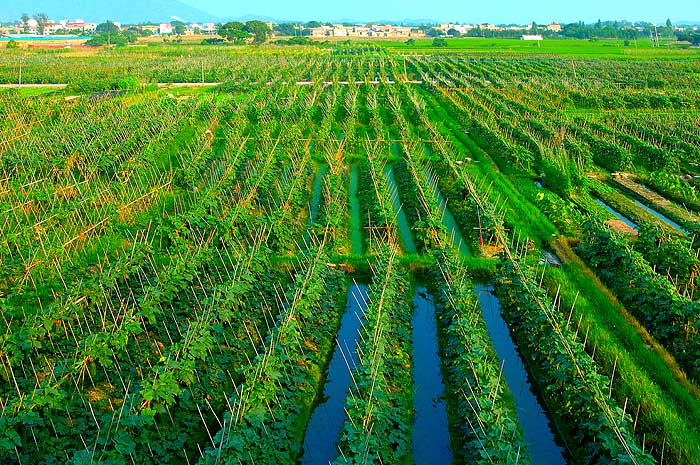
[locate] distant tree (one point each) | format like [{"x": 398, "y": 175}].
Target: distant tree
[
  {"x": 179, "y": 28},
  {"x": 475, "y": 32},
  {"x": 213, "y": 41},
  {"x": 535, "y": 28},
  {"x": 294, "y": 41},
  {"x": 107, "y": 28},
  {"x": 668, "y": 30},
  {"x": 453, "y": 32},
  {"x": 432, "y": 32},
  {"x": 24, "y": 20},
  {"x": 129, "y": 36},
  {"x": 259, "y": 30},
  {"x": 233, "y": 31},
  {"x": 139, "y": 31},
  {"x": 313, "y": 24},
  {"x": 692, "y": 37},
  {"x": 438, "y": 42},
  {"x": 111, "y": 39},
  {"x": 108, "y": 33},
  {"x": 410, "y": 42},
  {"x": 42, "y": 19},
  {"x": 285, "y": 29}
]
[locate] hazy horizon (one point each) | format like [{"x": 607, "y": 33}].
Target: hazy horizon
[
  {"x": 498, "y": 12},
  {"x": 411, "y": 11}
]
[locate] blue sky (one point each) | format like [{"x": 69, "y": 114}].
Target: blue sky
[{"x": 495, "y": 11}]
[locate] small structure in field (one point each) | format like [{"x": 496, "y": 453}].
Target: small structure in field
[
  {"x": 550, "y": 259},
  {"x": 532, "y": 37}
]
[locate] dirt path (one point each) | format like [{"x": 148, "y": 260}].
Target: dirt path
[
  {"x": 33, "y": 86},
  {"x": 166, "y": 85}
]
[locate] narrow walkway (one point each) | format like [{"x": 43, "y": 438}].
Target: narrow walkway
[{"x": 167, "y": 85}]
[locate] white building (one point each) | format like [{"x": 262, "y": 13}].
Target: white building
[
  {"x": 360, "y": 31},
  {"x": 340, "y": 32},
  {"x": 32, "y": 26},
  {"x": 80, "y": 25},
  {"x": 532, "y": 37},
  {"x": 322, "y": 31},
  {"x": 52, "y": 28},
  {"x": 165, "y": 28},
  {"x": 461, "y": 28}
]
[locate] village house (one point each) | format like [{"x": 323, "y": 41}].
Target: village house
[
  {"x": 53, "y": 27},
  {"x": 165, "y": 29},
  {"x": 360, "y": 31},
  {"x": 80, "y": 25},
  {"x": 321, "y": 31},
  {"x": 209, "y": 28},
  {"x": 461, "y": 28},
  {"x": 152, "y": 28},
  {"x": 339, "y": 32}
]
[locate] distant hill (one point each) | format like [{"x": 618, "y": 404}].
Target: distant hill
[{"x": 124, "y": 11}]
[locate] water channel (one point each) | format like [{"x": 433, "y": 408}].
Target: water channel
[
  {"x": 355, "y": 221},
  {"x": 660, "y": 216},
  {"x": 537, "y": 430},
  {"x": 401, "y": 220},
  {"x": 326, "y": 422},
  {"x": 431, "y": 436},
  {"x": 617, "y": 215}
]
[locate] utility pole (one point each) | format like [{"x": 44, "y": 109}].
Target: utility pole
[
  {"x": 20, "y": 72},
  {"x": 656, "y": 32}
]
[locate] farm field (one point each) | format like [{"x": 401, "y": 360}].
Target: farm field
[{"x": 360, "y": 253}]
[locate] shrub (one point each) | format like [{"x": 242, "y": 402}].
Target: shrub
[
  {"x": 213, "y": 41},
  {"x": 127, "y": 83}
]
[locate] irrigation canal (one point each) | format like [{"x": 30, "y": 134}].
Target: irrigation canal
[
  {"x": 355, "y": 221},
  {"x": 617, "y": 214},
  {"x": 326, "y": 422},
  {"x": 401, "y": 220},
  {"x": 537, "y": 431},
  {"x": 663, "y": 218},
  {"x": 315, "y": 201},
  {"x": 431, "y": 436},
  {"x": 449, "y": 221}
]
